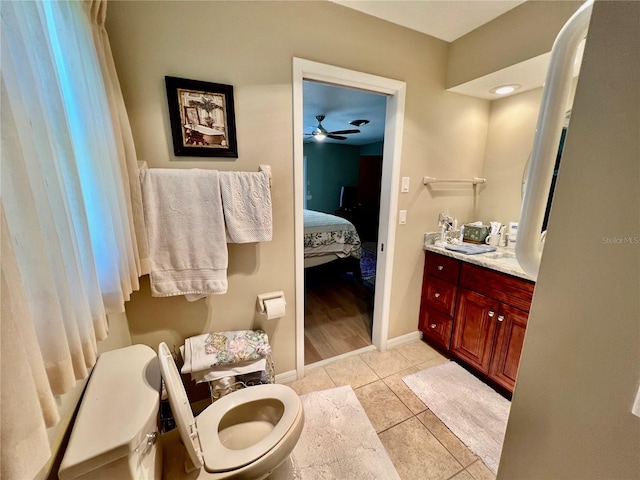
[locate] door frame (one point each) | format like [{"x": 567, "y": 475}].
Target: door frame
[{"x": 395, "y": 90}]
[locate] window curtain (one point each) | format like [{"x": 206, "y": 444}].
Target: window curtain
[
  {"x": 97, "y": 10},
  {"x": 70, "y": 204}
]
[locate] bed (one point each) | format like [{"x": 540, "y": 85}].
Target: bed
[{"x": 328, "y": 238}]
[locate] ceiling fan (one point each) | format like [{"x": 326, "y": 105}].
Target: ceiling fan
[{"x": 320, "y": 133}]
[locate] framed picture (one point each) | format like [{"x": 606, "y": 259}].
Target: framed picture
[{"x": 202, "y": 118}]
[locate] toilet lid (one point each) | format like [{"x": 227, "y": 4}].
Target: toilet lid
[
  {"x": 180, "y": 406},
  {"x": 217, "y": 457}
]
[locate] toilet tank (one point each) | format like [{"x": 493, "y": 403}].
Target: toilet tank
[{"x": 115, "y": 431}]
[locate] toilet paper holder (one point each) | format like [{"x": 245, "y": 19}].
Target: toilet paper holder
[{"x": 269, "y": 296}]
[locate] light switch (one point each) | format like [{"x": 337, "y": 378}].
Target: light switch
[
  {"x": 402, "y": 217},
  {"x": 405, "y": 185}
]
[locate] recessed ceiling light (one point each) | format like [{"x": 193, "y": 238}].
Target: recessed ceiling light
[
  {"x": 359, "y": 123},
  {"x": 505, "y": 89}
]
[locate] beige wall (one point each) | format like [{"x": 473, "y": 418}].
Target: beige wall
[
  {"x": 512, "y": 126},
  {"x": 250, "y": 45},
  {"x": 520, "y": 34}
]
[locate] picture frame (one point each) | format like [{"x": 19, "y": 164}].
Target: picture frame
[{"x": 202, "y": 118}]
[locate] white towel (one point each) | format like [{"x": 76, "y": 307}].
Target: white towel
[
  {"x": 217, "y": 373},
  {"x": 220, "y": 349},
  {"x": 246, "y": 200},
  {"x": 185, "y": 228}
]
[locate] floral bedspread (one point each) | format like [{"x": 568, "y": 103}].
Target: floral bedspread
[{"x": 323, "y": 229}]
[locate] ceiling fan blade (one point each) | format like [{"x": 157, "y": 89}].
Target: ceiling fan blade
[
  {"x": 344, "y": 132},
  {"x": 336, "y": 137}
]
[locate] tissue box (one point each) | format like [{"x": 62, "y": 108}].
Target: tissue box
[{"x": 475, "y": 234}]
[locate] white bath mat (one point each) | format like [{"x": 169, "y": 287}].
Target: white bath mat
[
  {"x": 473, "y": 411},
  {"x": 338, "y": 441}
]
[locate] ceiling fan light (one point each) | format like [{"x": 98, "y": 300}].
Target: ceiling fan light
[
  {"x": 319, "y": 136},
  {"x": 358, "y": 123}
]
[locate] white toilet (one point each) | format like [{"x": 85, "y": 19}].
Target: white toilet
[{"x": 246, "y": 434}]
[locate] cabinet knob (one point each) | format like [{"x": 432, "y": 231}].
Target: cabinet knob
[
  {"x": 437, "y": 295},
  {"x": 501, "y": 318},
  {"x": 433, "y": 325},
  {"x": 440, "y": 267},
  {"x": 491, "y": 313}
]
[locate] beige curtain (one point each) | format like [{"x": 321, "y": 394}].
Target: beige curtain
[
  {"x": 72, "y": 230},
  {"x": 97, "y": 11},
  {"x": 28, "y": 405}
]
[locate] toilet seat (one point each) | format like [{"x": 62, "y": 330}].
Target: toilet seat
[
  {"x": 201, "y": 435},
  {"x": 217, "y": 457}
]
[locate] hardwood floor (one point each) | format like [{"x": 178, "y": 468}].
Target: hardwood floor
[{"x": 338, "y": 315}]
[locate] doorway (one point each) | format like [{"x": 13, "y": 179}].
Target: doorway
[
  {"x": 342, "y": 176},
  {"x": 395, "y": 98}
]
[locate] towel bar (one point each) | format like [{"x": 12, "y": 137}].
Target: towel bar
[
  {"x": 266, "y": 168},
  {"x": 474, "y": 180},
  {"x": 262, "y": 168}
]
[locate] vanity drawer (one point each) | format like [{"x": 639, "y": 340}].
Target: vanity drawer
[
  {"x": 504, "y": 288},
  {"x": 440, "y": 295},
  {"x": 436, "y": 328},
  {"x": 442, "y": 267}
]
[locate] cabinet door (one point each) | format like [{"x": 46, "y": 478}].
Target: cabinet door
[
  {"x": 512, "y": 324},
  {"x": 474, "y": 328}
]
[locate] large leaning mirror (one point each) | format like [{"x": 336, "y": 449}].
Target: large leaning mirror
[{"x": 556, "y": 168}]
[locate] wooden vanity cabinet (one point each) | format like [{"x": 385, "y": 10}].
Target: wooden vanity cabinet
[
  {"x": 439, "y": 292},
  {"x": 487, "y": 324}
]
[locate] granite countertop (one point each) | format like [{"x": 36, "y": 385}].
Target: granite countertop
[{"x": 501, "y": 260}]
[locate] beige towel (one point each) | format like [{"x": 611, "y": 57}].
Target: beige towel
[
  {"x": 246, "y": 200},
  {"x": 186, "y": 234}
]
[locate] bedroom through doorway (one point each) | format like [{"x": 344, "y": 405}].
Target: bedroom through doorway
[{"x": 343, "y": 151}]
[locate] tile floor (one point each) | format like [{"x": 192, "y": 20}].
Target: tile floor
[{"x": 418, "y": 443}]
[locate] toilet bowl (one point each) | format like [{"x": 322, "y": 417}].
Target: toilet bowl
[
  {"x": 247, "y": 434},
  {"x": 244, "y": 435}
]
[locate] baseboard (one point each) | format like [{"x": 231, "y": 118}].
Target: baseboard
[
  {"x": 286, "y": 377},
  {"x": 291, "y": 375},
  {"x": 401, "y": 340}
]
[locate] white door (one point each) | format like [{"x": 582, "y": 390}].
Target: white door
[{"x": 395, "y": 92}]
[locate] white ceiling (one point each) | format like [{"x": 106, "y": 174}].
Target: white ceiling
[{"x": 444, "y": 19}]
